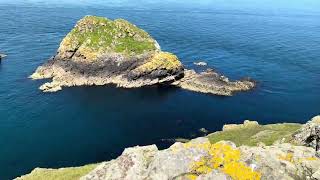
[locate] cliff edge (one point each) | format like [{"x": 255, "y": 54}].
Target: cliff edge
[{"x": 276, "y": 151}]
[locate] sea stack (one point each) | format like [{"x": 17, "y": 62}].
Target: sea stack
[{"x": 100, "y": 51}]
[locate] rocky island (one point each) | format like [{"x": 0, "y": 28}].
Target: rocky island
[
  {"x": 100, "y": 51},
  {"x": 247, "y": 151}
]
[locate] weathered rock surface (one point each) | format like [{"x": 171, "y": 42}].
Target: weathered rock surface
[
  {"x": 204, "y": 159},
  {"x": 246, "y": 123},
  {"x": 99, "y": 51},
  {"x": 309, "y": 134},
  {"x": 201, "y": 160}
]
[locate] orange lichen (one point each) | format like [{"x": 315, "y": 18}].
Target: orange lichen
[
  {"x": 290, "y": 158},
  {"x": 287, "y": 157},
  {"x": 240, "y": 171},
  {"x": 222, "y": 157},
  {"x": 192, "y": 176}
]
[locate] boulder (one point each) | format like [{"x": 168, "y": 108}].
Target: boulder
[{"x": 246, "y": 124}]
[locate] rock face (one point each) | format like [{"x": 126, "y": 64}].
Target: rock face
[
  {"x": 99, "y": 51},
  {"x": 309, "y": 134},
  {"x": 201, "y": 160}
]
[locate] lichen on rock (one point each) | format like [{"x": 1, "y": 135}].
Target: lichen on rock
[
  {"x": 203, "y": 159},
  {"x": 199, "y": 160}
]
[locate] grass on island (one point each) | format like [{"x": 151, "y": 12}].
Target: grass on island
[
  {"x": 252, "y": 135},
  {"x": 72, "y": 173},
  {"x": 97, "y": 35}
]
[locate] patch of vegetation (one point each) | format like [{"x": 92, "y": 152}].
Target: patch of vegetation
[
  {"x": 93, "y": 36},
  {"x": 251, "y": 135},
  {"x": 164, "y": 60},
  {"x": 72, "y": 173}
]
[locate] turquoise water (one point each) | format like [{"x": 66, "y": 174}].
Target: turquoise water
[{"x": 276, "y": 45}]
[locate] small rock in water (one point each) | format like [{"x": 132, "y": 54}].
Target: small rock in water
[
  {"x": 201, "y": 63},
  {"x": 203, "y": 130},
  {"x": 2, "y": 56}
]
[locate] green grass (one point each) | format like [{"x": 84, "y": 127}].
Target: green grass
[
  {"x": 72, "y": 173},
  {"x": 251, "y": 135},
  {"x": 98, "y": 34}
]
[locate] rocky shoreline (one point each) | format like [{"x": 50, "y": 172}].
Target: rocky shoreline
[
  {"x": 290, "y": 155},
  {"x": 99, "y": 51}
]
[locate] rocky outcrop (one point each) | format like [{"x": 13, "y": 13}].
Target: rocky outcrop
[
  {"x": 213, "y": 83},
  {"x": 246, "y": 124},
  {"x": 99, "y": 51},
  {"x": 204, "y": 159},
  {"x": 112, "y": 69},
  {"x": 214, "y": 157},
  {"x": 309, "y": 134},
  {"x": 199, "y": 159}
]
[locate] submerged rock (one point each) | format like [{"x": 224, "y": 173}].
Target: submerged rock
[
  {"x": 99, "y": 51},
  {"x": 200, "y": 63}
]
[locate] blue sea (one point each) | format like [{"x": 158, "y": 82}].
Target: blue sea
[{"x": 277, "y": 43}]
